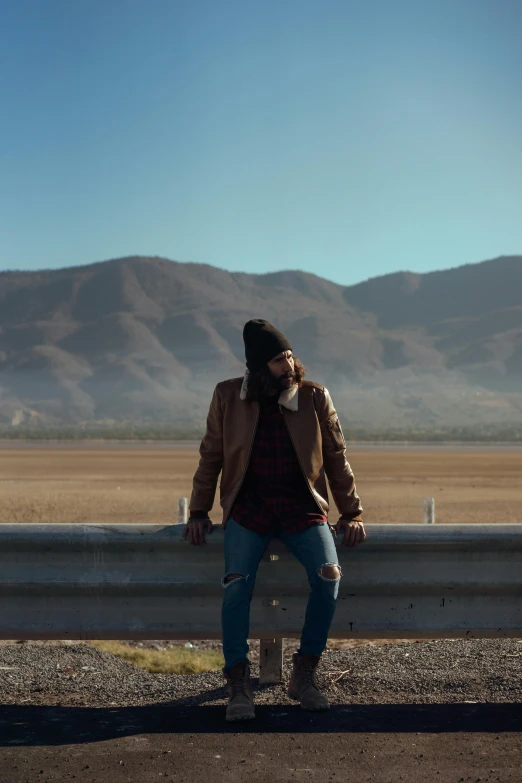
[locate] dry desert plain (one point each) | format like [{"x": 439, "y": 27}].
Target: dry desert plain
[{"x": 141, "y": 482}]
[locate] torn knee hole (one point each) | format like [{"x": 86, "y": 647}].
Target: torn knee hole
[
  {"x": 229, "y": 579},
  {"x": 330, "y": 572}
]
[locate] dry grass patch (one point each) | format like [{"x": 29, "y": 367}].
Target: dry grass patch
[{"x": 176, "y": 660}]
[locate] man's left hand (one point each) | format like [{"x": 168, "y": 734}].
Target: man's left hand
[{"x": 353, "y": 531}]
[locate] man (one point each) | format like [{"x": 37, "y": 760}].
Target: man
[{"x": 274, "y": 436}]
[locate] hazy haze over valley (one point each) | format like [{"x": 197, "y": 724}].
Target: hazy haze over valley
[{"x": 142, "y": 339}]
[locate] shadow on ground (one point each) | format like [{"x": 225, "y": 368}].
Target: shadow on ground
[{"x": 54, "y": 725}]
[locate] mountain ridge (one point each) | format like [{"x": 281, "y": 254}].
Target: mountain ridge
[{"x": 145, "y": 338}]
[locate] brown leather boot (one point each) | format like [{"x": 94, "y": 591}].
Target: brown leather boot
[
  {"x": 240, "y": 697},
  {"x": 303, "y": 686}
]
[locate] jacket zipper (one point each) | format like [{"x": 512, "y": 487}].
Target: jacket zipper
[
  {"x": 323, "y": 512},
  {"x": 231, "y": 506}
]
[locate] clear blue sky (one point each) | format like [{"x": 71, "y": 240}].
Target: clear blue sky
[{"x": 349, "y": 138}]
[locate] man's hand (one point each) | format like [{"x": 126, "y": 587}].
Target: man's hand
[
  {"x": 353, "y": 531},
  {"x": 195, "y": 530}
]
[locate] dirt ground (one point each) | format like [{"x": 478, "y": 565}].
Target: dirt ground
[
  {"x": 441, "y": 743},
  {"x": 142, "y": 482}
]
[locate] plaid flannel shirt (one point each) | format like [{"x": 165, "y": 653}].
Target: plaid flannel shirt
[{"x": 275, "y": 493}]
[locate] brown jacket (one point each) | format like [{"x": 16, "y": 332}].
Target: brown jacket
[{"x": 315, "y": 432}]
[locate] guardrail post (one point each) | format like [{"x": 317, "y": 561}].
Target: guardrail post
[
  {"x": 182, "y": 511},
  {"x": 429, "y": 511},
  {"x": 270, "y": 661}
]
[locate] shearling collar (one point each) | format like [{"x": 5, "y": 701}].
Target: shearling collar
[{"x": 287, "y": 398}]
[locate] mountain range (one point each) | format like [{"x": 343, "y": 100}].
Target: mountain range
[{"x": 144, "y": 339}]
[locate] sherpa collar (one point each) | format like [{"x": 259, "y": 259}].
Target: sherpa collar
[{"x": 287, "y": 398}]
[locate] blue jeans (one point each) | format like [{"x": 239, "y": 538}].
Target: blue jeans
[{"x": 314, "y": 548}]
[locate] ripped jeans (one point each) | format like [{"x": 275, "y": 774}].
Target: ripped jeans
[{"x": 314, "y": 548}]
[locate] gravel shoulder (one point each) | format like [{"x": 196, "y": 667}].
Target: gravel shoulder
[
  {"x": 427, "y": 672},
  {"x": 432, "y": 711}
]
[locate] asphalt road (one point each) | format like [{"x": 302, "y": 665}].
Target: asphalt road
[{"x": 383, "y": 743}]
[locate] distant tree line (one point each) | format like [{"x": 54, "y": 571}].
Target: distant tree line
[
  {"x": 101, "y": 432},
  {"x": 171, "y": 432}
]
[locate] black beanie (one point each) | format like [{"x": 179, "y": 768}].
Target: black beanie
[{"x": 262, "y": 342}]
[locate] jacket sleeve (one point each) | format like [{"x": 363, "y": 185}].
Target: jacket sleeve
[
  {"x": 211, "y": 458},
  {"x": 336, "y": 466}
]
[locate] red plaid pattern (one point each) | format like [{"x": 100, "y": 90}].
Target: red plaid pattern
[{"x": 275, "y": 493}]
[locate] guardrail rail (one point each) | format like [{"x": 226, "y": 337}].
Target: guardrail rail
[{"x": 135, "y": 581}]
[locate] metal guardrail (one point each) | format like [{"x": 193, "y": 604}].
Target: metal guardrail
[{"x": 103, "y": 581}]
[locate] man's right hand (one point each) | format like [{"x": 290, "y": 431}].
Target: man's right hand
[{"x": 195, "y": 530}]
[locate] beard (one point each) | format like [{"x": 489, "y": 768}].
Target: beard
[
  {"x": 262, "y": 382},
  {"x": 281, "y": 383}
]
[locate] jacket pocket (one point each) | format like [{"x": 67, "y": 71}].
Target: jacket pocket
[{"x": 336, "y": 433}]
